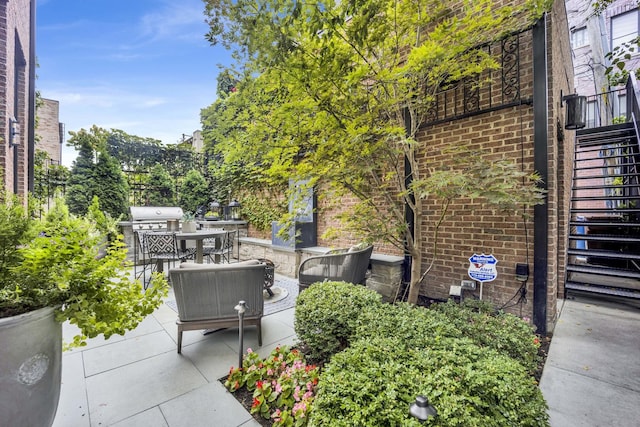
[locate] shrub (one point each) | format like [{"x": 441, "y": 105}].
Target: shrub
[
  {"x": 373, "y": 382},
  {"x": 327, "y": 315},
  {"x": 500, "y": 331}
]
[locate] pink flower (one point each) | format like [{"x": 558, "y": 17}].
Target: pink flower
[
  {"x": 299, "y": 408},
  {"x": 249, "y": 350},
  {"x": 296, "y": 393}
]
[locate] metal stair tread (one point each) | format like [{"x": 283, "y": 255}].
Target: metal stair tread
[
  {"x": 603, "y": 271},
  {"x": 601, "y": 289}
]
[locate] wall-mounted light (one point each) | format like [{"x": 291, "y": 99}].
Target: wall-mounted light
[
  {"x": 14, "y": 132},
  {"x": 576, "y": 111}
]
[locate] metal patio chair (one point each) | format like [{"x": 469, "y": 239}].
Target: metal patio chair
[
  {"x": 163, "y": 246},
  {"x": 223, "y": 251}
]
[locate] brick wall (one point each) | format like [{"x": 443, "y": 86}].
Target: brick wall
[
  {"x": 48, "y": 129},
  {"x": 14, "y": 91}
]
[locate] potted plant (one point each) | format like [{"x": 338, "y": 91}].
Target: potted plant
[
  {"x": 188, "y": 223},
  {"x": 56, "y": 269}
]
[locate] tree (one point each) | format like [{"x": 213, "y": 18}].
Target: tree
[
  {"x": 160, "y": 187},
  {"x": 111, "y": 185},
  {"x": 80, "y": 185},
  {"x": 194, "y": 192},
  {"x": 336, "y": 93}
]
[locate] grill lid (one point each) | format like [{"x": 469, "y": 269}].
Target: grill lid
[{"x": 155, "y": 213}]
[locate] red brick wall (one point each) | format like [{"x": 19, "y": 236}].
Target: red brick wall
[
  {"x": 475, "y": 227},
  {"x": 14, "y": 90}
]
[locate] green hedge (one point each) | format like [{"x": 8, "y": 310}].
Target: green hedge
[
  {"x": 373, "y": 382},
  {"x": 472, "y": 363},
  {"x": 327, "y": 313}
]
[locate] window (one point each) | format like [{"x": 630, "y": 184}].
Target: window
[
  {"x": 592, "y": 111},
  {"x": 579, "y": 37},
  {"x": 624, "y": 28}
]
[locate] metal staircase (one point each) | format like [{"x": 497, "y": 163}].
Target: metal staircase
[{"x": 604, "y": 239}]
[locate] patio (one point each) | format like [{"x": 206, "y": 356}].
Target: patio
[{"x": 140, "y": 380}]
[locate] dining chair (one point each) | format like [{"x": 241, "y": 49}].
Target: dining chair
[
  {"x": 222, "y": 251},
  {"x": 141, "y": 260},
  {"x": 163, "y": 246}
]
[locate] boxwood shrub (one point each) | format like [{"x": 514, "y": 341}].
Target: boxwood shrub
[
  {"x": 504, "y": 332},
  {"x": 327, "y": 313},
  {"x": 373, "y": 382}
]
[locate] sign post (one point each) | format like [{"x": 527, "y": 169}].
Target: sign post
[{"x": 482, "y": 268}]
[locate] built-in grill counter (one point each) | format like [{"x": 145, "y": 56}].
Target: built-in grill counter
[{"x": 166, "y": 218}]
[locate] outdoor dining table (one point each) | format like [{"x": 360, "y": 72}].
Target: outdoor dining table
[{"x": 199, "y": 236}]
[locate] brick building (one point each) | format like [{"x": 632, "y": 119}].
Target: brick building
[
  {"x": 519, "y": 116},
  {"x": 50, "y": 131},
  {"x": 17, "y": 94}
]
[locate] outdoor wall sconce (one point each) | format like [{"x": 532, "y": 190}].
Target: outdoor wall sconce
[
  {"x": 234, "y": 209},
  {"x": 421, "y": 409},
  {"x": 14, "y": 132},
  {"x": 576, "y": 111}
]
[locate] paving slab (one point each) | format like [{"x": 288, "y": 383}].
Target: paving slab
[
  {"x": 211, "y": 405},
  {"x": 592, "y": 372},
  {"x": 123, "y": 392}
]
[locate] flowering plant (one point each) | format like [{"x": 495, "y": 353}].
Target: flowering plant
[{"x": 283, "y": 385}]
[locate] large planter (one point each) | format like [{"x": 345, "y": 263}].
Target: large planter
[{"x": 30, "y": 367}]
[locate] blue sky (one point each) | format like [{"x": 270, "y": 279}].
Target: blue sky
[{"x": 142, "y": 66}]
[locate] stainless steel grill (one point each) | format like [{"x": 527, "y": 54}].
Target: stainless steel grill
[{"x": 154, "y": 217}]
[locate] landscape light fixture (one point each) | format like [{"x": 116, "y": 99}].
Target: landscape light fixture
[
  {"x": 421, "y": 409},
  {"x": 576, "y": 111},
  {"x": 14, "y": 132}
]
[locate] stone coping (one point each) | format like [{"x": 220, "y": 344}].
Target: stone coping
[{"x": 319, "y": 250}]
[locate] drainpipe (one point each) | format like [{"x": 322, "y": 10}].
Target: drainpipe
[
  {"x": 31, "y": 134},
  {"x": 540, "y": 140},
  {"x": 408, "y": 213}
]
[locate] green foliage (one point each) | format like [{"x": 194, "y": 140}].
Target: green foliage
[
  {"x": 160, "y": 188},
  {"x": 283, "y": 385},
  {"x": 499, "y": 331},
  {"x": 194, "y": 191},
  {"x": 261, "y": 212},
  {"x": 327, "y": 316},
  {"x": 373, "y": 382},
  {"x": 57, "y": 262},
  {"x": 617, "y": 73},
  {"x": 80, "y": 185},
  {"x": 111, "y": 185},
  {"x": 337, "y": 93}
]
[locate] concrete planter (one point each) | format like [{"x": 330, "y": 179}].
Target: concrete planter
[
  {"x": 189, "y": 227},
  {"x": 30, "y": 368}
]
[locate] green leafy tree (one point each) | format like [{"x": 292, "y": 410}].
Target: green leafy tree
[
  {"x": 336, "y": 93},
  {"x": 194, "y": 191},
  {"x": 80, "y": 187},
  {"x": 160, "y": 187},
  {"x": 111, "y": 186}
]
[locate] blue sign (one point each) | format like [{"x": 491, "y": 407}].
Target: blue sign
[{"x": 483, "y": 268}]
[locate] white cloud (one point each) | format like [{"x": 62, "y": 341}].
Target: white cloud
[{"x": 183, "y": 20}]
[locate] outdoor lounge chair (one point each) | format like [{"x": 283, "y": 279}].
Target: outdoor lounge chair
[
  {"x": 206, "y": 295},
  {"x": 350, "y": 266}
]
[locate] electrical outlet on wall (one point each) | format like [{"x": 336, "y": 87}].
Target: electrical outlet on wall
[{"x": 468, "y": 284}]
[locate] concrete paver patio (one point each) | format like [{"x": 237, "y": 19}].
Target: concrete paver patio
[
  {"x": 591, "y": 377},
  {"x": 140, "y": 380}
]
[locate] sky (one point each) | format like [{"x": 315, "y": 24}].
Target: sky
[{"x": 141, "y": 66}]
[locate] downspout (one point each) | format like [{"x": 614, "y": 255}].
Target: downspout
[
  {"x": 540, "y": 140},
  {"x": 408, "y": 212},
  {"x": 31, "y": 134}
]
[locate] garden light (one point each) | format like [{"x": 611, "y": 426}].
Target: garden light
[
  {"x": 241, "y": 308},
  {"x": 421, "y": 409},
  {"x": 234, "y": 209}
]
